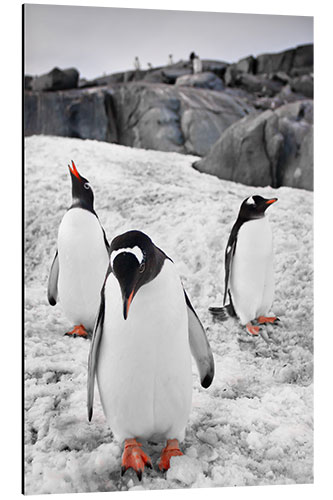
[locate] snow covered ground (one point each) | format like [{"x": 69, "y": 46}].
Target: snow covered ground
[{"x": 254, "y": 425}]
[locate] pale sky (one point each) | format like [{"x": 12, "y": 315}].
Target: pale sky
[{"x": 98, "y": 40}]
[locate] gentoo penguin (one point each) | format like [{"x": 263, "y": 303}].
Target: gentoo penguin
[
  {"x": 249, "y": 280},
  {"x": 141, "y": 349},
  {"x": 196, "y": 63},
  {"x": 137, "y": 65},
  {"x": 81, "y": 260}
]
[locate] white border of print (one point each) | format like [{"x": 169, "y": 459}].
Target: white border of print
[{"x": 11, "y": 249}]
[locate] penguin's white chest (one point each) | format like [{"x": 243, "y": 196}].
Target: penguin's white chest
[
  {"x": 83, "y": 261},
  {"x": 144, "y": 368},
  {"x": 251, "y": 277}
]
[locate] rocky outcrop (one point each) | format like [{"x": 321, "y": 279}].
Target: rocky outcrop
[
  {"x": 260, "y": 85},
  {"x": 289, "y": 61},
  {"x": 217, "y": 67},
  {"x": 266, "y": 74},
  {"x": 303, "y": 85},
  {"x": 163, "y": 74},
  {"x": 205, "y": 80},
  {"x": 143, "y": 115},
  {"x": 28, "y": 82},
  {"x": 270, "y": 148},
  {"x": 127, "y": 76},
  {"x": 56, "y": 79},
  {"x": 169, "y": 118},
  {"x": 68, "y": 114},
  {"x": 235, "y": 115}
]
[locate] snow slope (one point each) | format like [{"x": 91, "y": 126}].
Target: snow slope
[{"x": 254, "y": 425}]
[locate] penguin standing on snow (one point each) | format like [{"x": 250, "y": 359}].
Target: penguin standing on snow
[
  {"x": 144, "y": 334},
  {"x": 81, "y": 260},
  {"x": 249, "y": 280}
]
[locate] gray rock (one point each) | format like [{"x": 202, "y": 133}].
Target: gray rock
[
  {"x": 170, "y": 75},
  {"x": 216, "y": 67},
  {"x": 155, "y": 76},
  {"x": 230, "y": 75},
  {"x": 205, "y": 80},
  {"x": 258, "y": 84},
  {"x": 74, "y": 113},
  {"x": 28, "y": 82},
  {"x": 135, "y": 75},
  {"x": 271, "y": 63},
  {"x": 303, "y": 85},
  {"x": 237, "y": 70},
  {"x": 287, "y": 61},
  {"x": 305, "y": 70},
  {"x": 296, "y": 163},
  {"x": 102, "y": 80},
  {"x": 280, "y": 76},
  {"x": 240, "y": 153},
  {"x": 110, "y": 80},
  {"x": 170, "y": 118},
  {"x": 303, "y": 56},
  {"x": 208, "y": 65},
  {"x": 246, "y": 65},
  {"x": 56, "y": 79},
  {"x": 269, "y": 148},
  {"x": 139, "y": 114},
  {"x": 285, "y": 96}
]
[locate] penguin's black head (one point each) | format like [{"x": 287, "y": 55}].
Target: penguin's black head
[
  {"x": 82, "y": 192},
  {"x": 254, "y": 207},
  {"x": 134, "y": 261}
]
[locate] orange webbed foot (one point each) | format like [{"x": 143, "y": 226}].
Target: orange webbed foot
[
  {"x": 78, "y": 331},
  {"x": 171, "y": 450},
  {"x": 135, "y": 458},
  {"x": 252, "y": 330},
  {"x": 268, "y": 319}
]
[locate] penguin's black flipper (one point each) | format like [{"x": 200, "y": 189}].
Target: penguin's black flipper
[
  {"x": 229, "y": 253},
  {"x": 52, "y": 287},
  {"x": 199, "y": 345},
  {"x": 93, "y": 353}
]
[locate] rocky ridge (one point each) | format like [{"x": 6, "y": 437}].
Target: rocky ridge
[{"x": 250, "y": 121}]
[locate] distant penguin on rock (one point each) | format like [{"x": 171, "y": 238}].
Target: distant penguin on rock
[
  {"x": 196, "y": 63},
  {"x": 81, "y": 260},
  {"x": 144, "y": 334},
  {"x": 137, "y": 64},
  {"x": 249, "y": 279}
]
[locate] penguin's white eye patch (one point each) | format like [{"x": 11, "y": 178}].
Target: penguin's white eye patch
[
  {"x": 250, "y": 201},
  {"x": 86, "y": 185},
  {"x": 136, "y": 251}
]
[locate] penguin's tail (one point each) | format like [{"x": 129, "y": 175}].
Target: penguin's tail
[{"x": 222, "y": 313}]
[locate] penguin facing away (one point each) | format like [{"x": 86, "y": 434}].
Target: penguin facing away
[
  {"x": 144, "y": 334},
  {"x": 249, "y": 279},
  {"x": 81, "y": 259}
]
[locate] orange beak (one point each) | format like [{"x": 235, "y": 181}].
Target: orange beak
[
  {"x": 272, "y": 200},
  {"x": 74, "y": 171},
  {"x": 127, "y": 304}
]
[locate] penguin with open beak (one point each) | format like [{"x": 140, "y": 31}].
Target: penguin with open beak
[
  {"x": 144, "y": 334},
  {"x": 249, "y": 277},
  {"x": 81, "y": 259}
]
